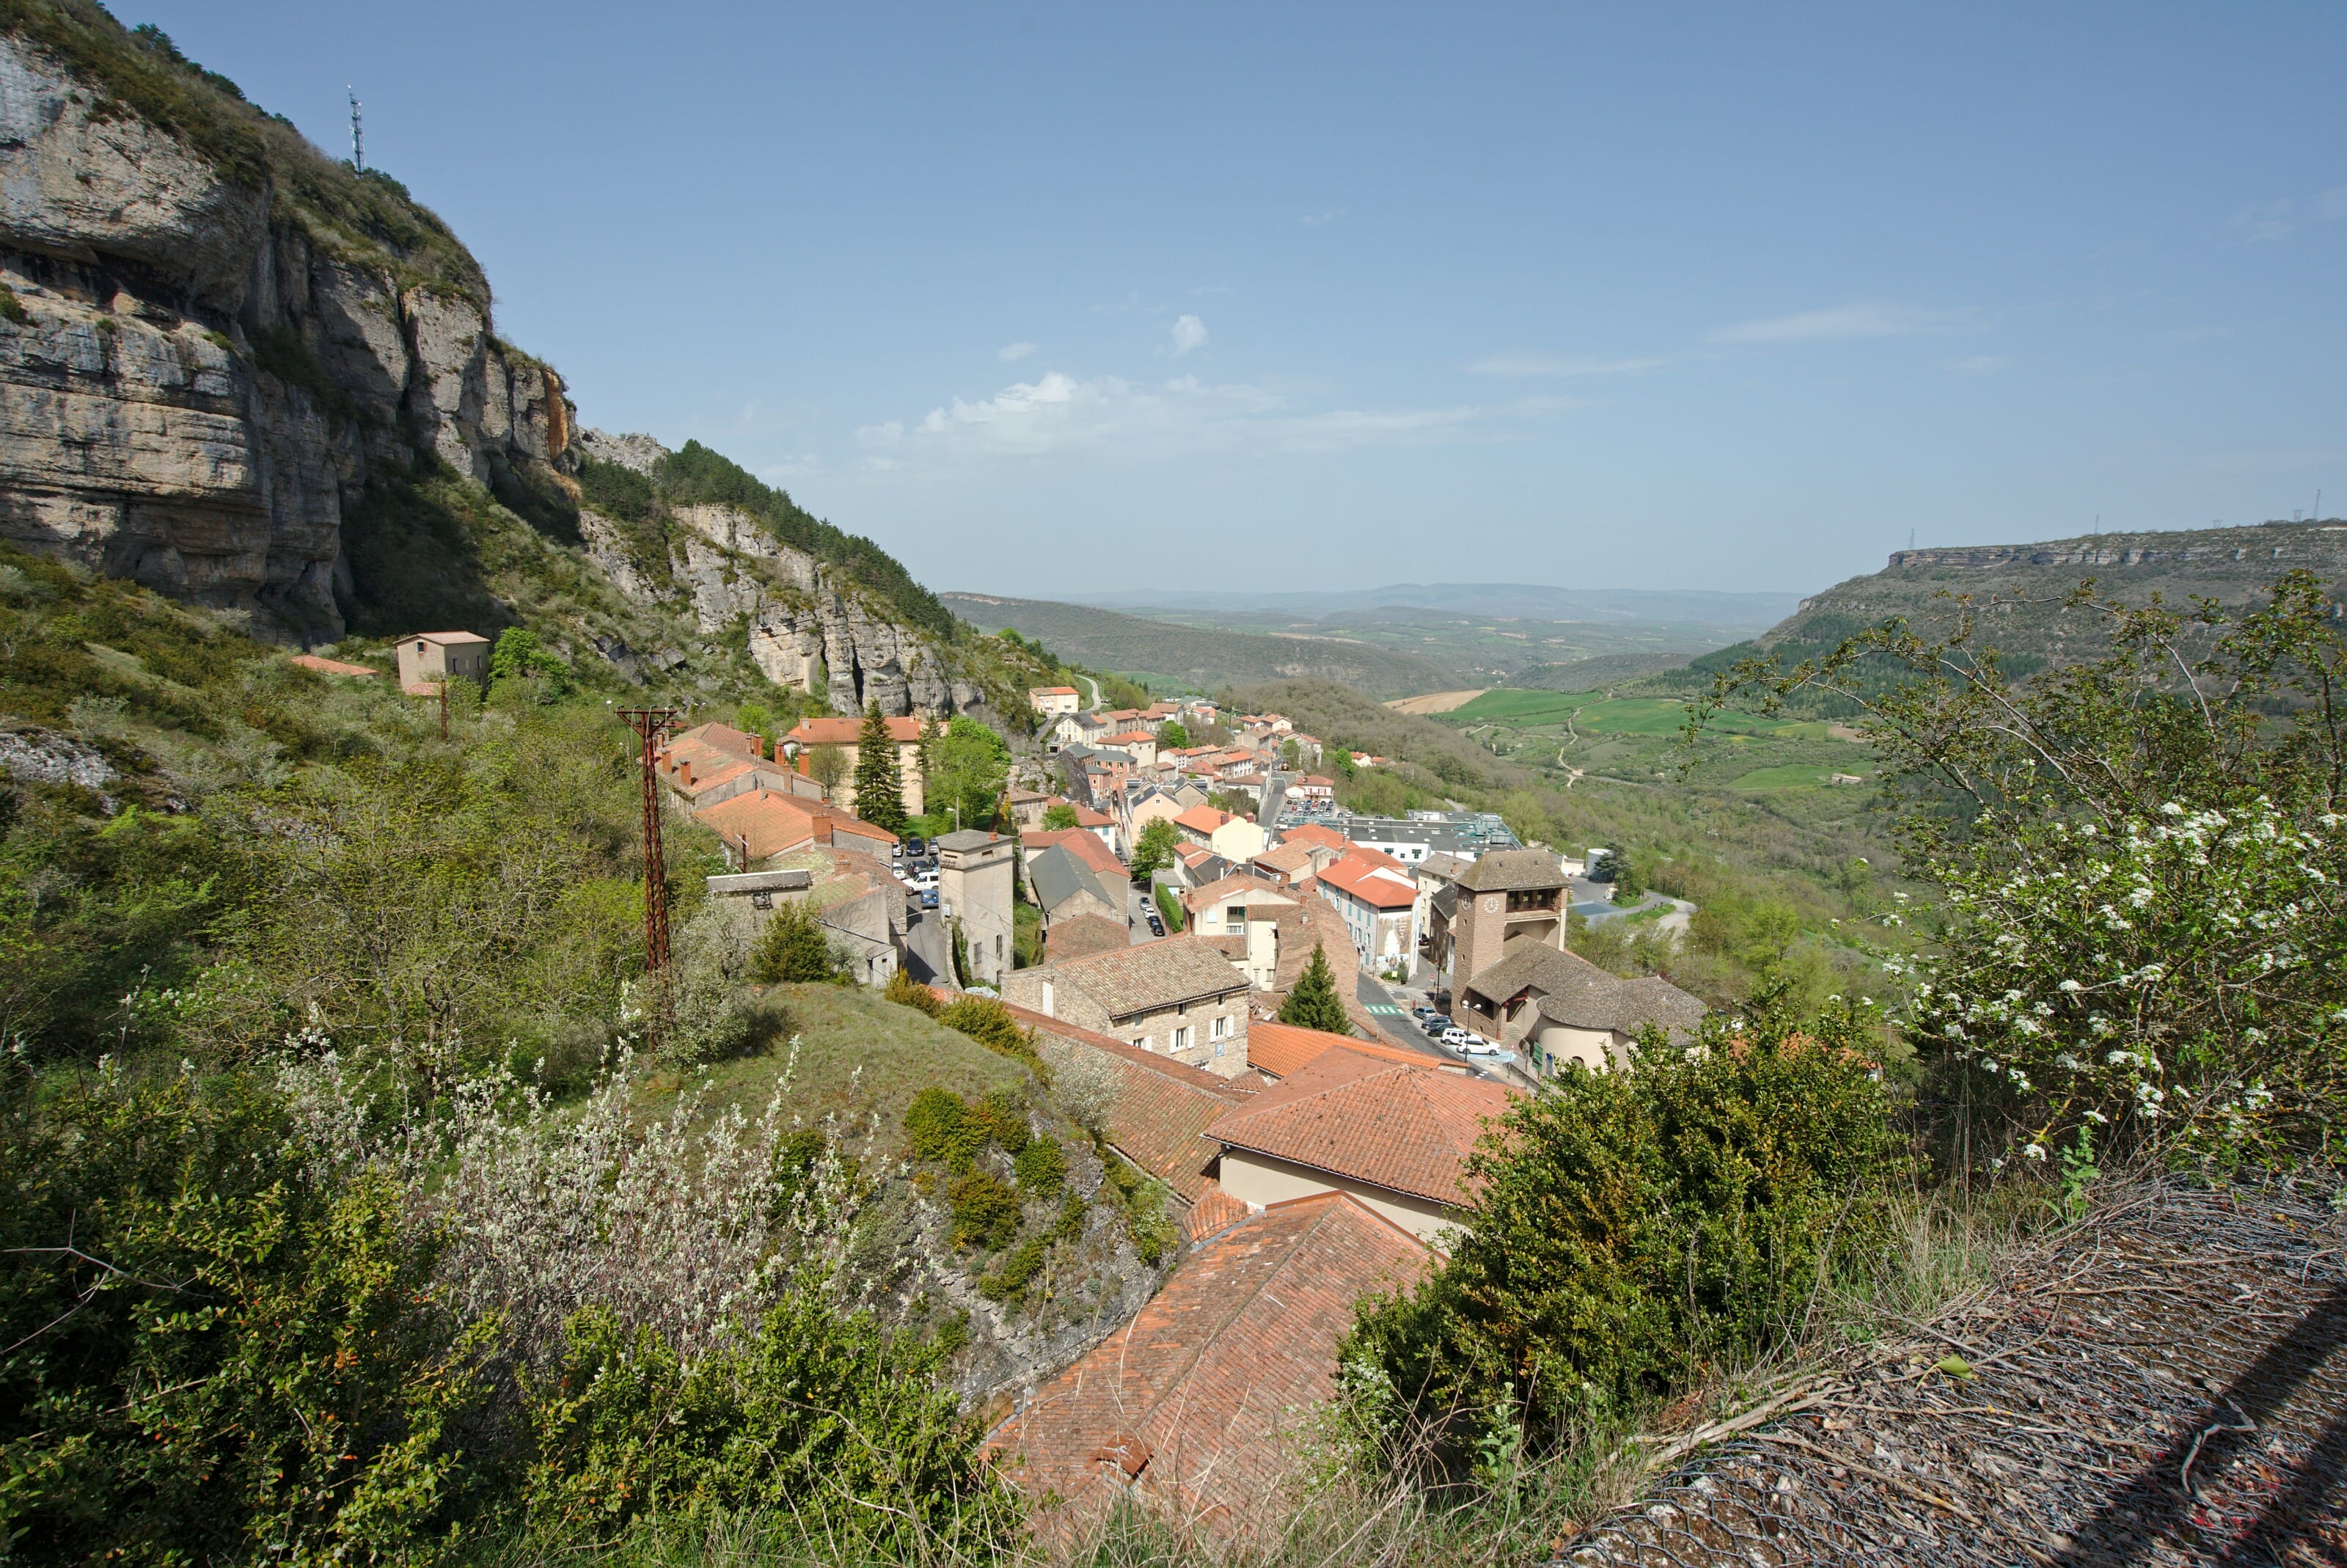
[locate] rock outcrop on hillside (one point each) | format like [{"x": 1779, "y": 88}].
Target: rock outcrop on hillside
[
  {"x": 192, "y": 389},
  {"x": 201, "y": 373},
  {"x": 806, "y": 627}
]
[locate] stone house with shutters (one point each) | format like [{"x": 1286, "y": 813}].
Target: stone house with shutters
[{"x": 1179, "y": 997}]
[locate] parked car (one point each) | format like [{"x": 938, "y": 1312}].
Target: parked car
[
  {"x": 897, "y": 850},
  {"x": 916, "y": 847},
  {"x": 901, "y": 875},
  {"x": 1424, "y": 1013},
  {"x": 928, "y": 897},
  {"x": 925, "y": 881},
  {"x": 1156, "y": 926},
  {"x": 1436, "y": 1023},
  {"x": 1461, "y": 1038},
  {"x": 1477, "y": 1047}
]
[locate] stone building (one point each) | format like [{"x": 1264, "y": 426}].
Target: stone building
[
  {"x": 974, "y": 883},
  {"x": 428, "y": 658},
  {"x": 1177, "y": 998}
]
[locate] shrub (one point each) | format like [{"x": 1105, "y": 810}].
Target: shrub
[
  {"x": 1632, "y": 1224},
  {"x": 211, "y": 1356},
  {"x": 1042, "y": 1168},
  {"x": 795, "y": 949},
  {"x": 1313, "y": 1003},
  {"x": 985, "y": 1211},
  {"x": 996, "y": 1028},
  {"x": 822, "y": 1411},
  {"x": 907, "y": 991},
  {"x": 939, "y": 1126},
  {"x": 2141, "y": 859}
]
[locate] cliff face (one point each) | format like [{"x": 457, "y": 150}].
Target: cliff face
[
  {"x": 207, "y": 359},
  {"x": 196, "y": 389},
  {"x": 806, "y": 626}
]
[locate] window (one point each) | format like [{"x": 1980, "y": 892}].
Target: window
[
  {"x": 1147, "y": 1042},
  {"x": 1178, "y": 1041},
  {"x": 1222, "y": 1029}
]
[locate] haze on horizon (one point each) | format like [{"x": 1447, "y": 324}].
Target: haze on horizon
[{"x": 1054, "y": 299}]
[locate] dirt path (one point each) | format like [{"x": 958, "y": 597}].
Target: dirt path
[
  {"x": 1435, "y": 702},
  {"x": 2165, "y": 1384}
]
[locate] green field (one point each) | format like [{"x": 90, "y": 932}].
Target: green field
[
  {"x": 1792, "y": 776},
  {"x": 1617, "y": 716}
]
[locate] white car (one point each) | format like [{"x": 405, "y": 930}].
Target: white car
[
  {"x": 927, "y": 882},
  {"x": 1478, "y": 1048},
  {"x": 1463, "y": 1039}
]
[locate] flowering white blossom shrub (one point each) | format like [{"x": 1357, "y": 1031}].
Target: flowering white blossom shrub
[
  {"x": 687, "y": 1228},
  {"x": 2171, "y": 982},
  {"x": 2141, "y": 932}
]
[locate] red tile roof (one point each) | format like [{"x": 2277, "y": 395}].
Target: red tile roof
[
  {"x": 1195, "y": 1404},
  {"x": 1283, "y": 1049},
  {"x": 332, "y": 666},
  {"x": 1053, "y": 692},
  {"x": 1288, "y": 858},
  {"x": 1215, "y": 1212},
  {"x": 815, "y": 732},
  {"x": 1314, "y": 833},
  {"x": 1202, "y": 819},
  {"x": 1082, "y": 934},
  {"x": 1407, "y": 1129},
  {"x": 1359, "y": 876},
  {"x": 722, "y": 738},
  {"x": 771, "y": 822},
  {"x": 1081, "y": 842}
]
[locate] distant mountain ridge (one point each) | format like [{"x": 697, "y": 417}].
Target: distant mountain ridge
[
  {"x": 1201, "y": 656},
  {"x": 1545, "y": 601}
]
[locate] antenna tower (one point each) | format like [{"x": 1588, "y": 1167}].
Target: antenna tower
[
  {"x": 358, "y": 138},
  {"x": 651, "y": 725}
]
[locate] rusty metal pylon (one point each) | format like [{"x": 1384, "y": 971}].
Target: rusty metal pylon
[{"x": 651, "y": 726}]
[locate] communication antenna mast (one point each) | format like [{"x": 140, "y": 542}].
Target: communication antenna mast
[
  {"x": 358, "y": 138},
  {"x": 651, "y": 725}
]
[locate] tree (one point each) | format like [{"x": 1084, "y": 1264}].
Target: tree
[
  {"x": 1153, "y": 850},
  {"x": 879, "y": 776},
  {"x": 967, "y": 765},
  {"x": 1173, "y": 736},
  {"x": 1314, "y": 1003},
  {"x": 754, "y": 719},
  {"x": 827, "y": 766},
  {"x": 1060, "y": 817},
  {"x": 794, "y": 949},
  {"x": 520, "y": 657},
  {"x": 2140, "y": 861},
  {"x": 1291, "y": 755},
  {"x": 1629, "y": 877}
]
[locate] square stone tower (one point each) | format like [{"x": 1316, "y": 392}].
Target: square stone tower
[
  {"x": 1506, "y": 894},
  {"x": 974, "y": 887}
]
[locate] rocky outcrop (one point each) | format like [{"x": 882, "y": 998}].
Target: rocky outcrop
[{"x": 192, "y": 394}]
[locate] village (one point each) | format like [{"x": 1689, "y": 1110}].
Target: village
[{"x": 1150, "y": 904}]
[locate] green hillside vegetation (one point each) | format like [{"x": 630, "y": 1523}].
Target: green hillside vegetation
[
  {"x": 368, "y": 218},
  {"x": 1169, "y": 658},
  {"x": 1597, "y": 672},
  {"x": 1784, "y": 877}
]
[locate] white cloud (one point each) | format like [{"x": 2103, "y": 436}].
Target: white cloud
[
  {"x": 1980, "y": 365},
  {"x": 2265, "y": 222},
  {"x": 1529, "y": 364},
  {"x": 1840, "y": 323},
  {"x": 1189, "y": 333},
  {"x": 792, "y": 466},
  {"x": 1056, "y": 413},
  {"x": 1013, "y": 350},
  {"x": 1321, "y": 220}
]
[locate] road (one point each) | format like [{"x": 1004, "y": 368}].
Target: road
[
  {"x": 1088, "y": 681},
  {"x": 928, "y": 946},
  {"x": 1136, "y": 918}
]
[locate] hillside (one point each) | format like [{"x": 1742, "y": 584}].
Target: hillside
[
  {"x": 1195, "y": 658},
  {"x": 2233, "y": 566},
  {"x": 248, "y": 375},
  {"x": 1732, "y": 612}
]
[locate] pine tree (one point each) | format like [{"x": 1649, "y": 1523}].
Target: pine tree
[
  {"x": 880, "y": 780},
  {"x": 1314, "y": 1003}
]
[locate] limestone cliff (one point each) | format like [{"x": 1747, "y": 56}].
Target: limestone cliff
[
  {"x": 219, "y": 349},
  {"x": 193, "y": 387},
  {"x": 806, "y": 625}
]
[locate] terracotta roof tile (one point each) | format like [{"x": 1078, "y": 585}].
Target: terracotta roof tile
[
  {"x": 1405, "y": 1128},
  {"x": 1214, "y": 1211},
  {"x": 1081, "y": 842},
  {"x": 332, "y": 666},
  {"x": 843, "y": 731},
  {"x": 1283, "y": 1049},
  {"x": 1080, "y": 935},
  {"x": 1510, "y": 870},
  {"x": 1370, "y": 882},
  {"x": 1316, "y": 833},
  {"x": 1153, "y": 975},
  {"x": 1195, "y": 1404}
]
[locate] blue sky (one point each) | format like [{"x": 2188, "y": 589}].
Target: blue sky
[{"x": 1056, "y": 299}]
